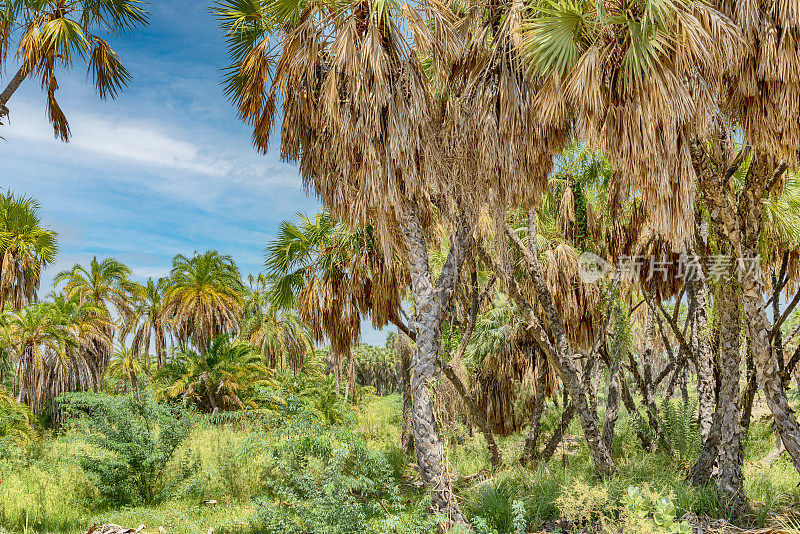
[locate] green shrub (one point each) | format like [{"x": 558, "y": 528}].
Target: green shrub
[
  {"x": 131, "y": 444},
  {"x": 322, "y": 479},
  {"x": 494, "y": 503},
  {"x": 15, "y": 423}
]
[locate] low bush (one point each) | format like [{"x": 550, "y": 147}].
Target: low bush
[{"x": 130, "y": 444}]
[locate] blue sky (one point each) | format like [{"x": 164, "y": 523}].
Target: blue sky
[{"x": 165, "y": 168}]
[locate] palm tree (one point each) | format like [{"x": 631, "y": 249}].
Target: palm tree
[
  {"x": 26, "y": 247},
  {"x": 105, "y": 284},
  {"x": 53, "y": 33},
  {"x": 622, "y": 66},
  {"x": 334, "y": 276},
  {"x": 55, "y": 343},
  {"x": 382, "y": 173},
  {"x": 88, "y": 332},
  {"x": 203, "y": 297},
  {"x": 149, "y": 321},
  {"x": 278, "y": 334},
  {"x": 219, "y": 377},
  {"x": 30, "y": 333},
  {"x": 127, "y": 366}
]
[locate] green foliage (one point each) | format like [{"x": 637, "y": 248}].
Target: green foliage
[
  {"x": 642, "y": 507},
  {"x": 321, "y": 479},
  {"x": 681, "y": 427},
  {"x": 518, "y": 517},
  {"x": 494, "y": 502},
  {"x": 15, "y": 423},
  {"x": 416, "y": 520},
  {"x": 131, "y": 444},
  {"x": 223, "y": 376}
]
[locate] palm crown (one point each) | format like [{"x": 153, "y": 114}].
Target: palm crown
[{"x": 53, "y": 33}]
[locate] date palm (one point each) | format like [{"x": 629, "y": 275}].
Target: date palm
[
  {"x": 276, "y": 333},
  {"x": 31, "y": 334},
  {"x": 105, "y": 284},
  {"x": 204, "y": 297},
  {"x": 149, "y": 322},
  {"x": 26, "y": 247},
  {"x": 219, "y": 377},
  {"x": 52, "y": 34},
  {"x": 87, "y": 329},
  {"x": 127, "y": 366},
  {"x": 55, "y": 345}
]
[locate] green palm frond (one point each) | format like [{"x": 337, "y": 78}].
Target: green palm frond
[{"x": 556, "y": 35}]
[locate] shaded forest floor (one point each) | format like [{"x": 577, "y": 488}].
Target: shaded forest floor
[{"x": 259, "y": 486}]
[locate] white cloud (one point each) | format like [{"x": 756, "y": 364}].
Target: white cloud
[{"x": 144, "y": 143}]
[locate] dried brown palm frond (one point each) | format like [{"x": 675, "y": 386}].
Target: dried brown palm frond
[
  {"x": 658, "y": 270},
  {"x": 638, "y": 80},
  {"x": 498, "y": 141},
  {"x": 505, "y": 386},
  {"x": 764, "y": 89},
  {"x": 502, "y": 361},
  {"x": 356, "y": 112},
  {"x": 579, "y": 304}
]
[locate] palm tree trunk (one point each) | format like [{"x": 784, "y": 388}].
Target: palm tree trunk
[
  {"x": 337, "y": 369},
  {"x": 741, "y": 224},
  {"x": 530, "y": 451},
  {"x": 612, "y": 404},
  {"x": 768, "y": 371},
  {"x": 647, "y": 380},
  {"x": 729, "y": 477},
  {"x": 563, "y": 355},
  {"x": 749, "y": 394},
  {"x": 350, "y": 387},
  {"x": 431, "y": 302},
  {"x": 558, "y": 435},
  {"x": 12, "y": 87},
  {"x": 406, "y": 436},
  {"x": 704, "y": 357},
  {"x": 475, "y": 412}
]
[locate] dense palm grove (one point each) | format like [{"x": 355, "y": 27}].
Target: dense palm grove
[{"x": 582, "y": 218}]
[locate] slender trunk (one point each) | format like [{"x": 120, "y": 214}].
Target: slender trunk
[
  {"x": 612, "y": 404},
  {"x": 406, "y": 436},
  {"x": 749, "y": 393},
  {"x": 477, "y": 417},
  {"x": 11, "y": 88},
  {"x": 564, "y": 356},
  {"x": 337, "y": 370},
  {"x": 768, "y": 371},
  {"x": 475, "y": 412},
  {"x": 589, "y": 383},
  {"x": 350, "y": 387},
  {"x": 431, "y": 302},
  {"x": 630, "y": 406},
  {"x": 729, "y": 475},
  {"x": 558, "y": 435},
  {"x": 647, "y": 390},
  {"x": 704, "y": 357},
  {"x": 530, "y": 451},
  {"x": 701, "y": 471}
]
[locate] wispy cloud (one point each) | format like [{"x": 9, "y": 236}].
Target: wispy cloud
[{"x": 144, "y": 143}]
